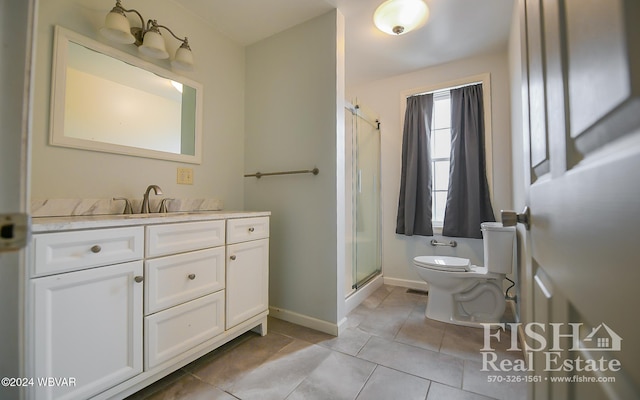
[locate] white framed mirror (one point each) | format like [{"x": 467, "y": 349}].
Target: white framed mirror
[{"x": 104, "y": 99}]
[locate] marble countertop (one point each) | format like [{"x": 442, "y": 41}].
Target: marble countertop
[{"x": 56, "y": 224}]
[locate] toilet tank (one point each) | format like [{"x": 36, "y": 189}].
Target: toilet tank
[{"x": 498, "y": 244}]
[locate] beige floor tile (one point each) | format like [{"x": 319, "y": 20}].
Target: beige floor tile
[
  {"x": 386, "y": 383},
  {"x": 338, "y": 377},
  {"x": 350, "y": 341},
  {"x": 413, "y": 360},
  {"x": 463, "y": 342},
  {"x": 386, "y": 321},
  {"x": 158, "y": 385},
  {"x": 277, "y": 377},
  {"x": 223, "y": 369},
  {"x": 438, "y": 391},
  {"x": 420, "y": 331},
  {"x": 296, "y": 331},
  {"x": 477, "y": 381},
  {"x": 389, "y": 350},
  {"x": 377, "y": 297},
  {"x": 190, "y": 388}
]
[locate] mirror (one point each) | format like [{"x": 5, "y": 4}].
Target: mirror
[{"x": 104, "y": 99}]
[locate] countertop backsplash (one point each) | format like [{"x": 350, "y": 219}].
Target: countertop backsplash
[{"x": 75, "y": 207}]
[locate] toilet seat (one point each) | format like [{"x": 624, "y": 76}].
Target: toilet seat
[{"x": 444, "y": 263}]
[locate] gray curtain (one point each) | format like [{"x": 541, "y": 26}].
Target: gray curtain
[
  {"x": 414, "y": 204},
  {"x": 468, "y": 201}
]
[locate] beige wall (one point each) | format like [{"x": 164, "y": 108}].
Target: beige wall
[
  {"x": 384, "y": 97},
  {"x": 58, "y": 172},
  {"x": 295, "y": 121}
]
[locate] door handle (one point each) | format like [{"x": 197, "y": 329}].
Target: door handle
[
  {"x": 15, "y": 231},
  {"x": 511, "y": 218}
]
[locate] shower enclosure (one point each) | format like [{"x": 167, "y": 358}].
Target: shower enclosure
[{"x": 362, "y": 135}]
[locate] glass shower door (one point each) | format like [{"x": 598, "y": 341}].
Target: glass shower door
[{"x": 366, "y": 199}]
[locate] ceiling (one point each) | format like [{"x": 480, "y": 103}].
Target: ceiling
[{"x": 456, "y": 29}]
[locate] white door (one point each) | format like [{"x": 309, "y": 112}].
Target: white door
[
  {"x": 15, "y": 62},
  {"x": 88, "y": 330},
  {"x": 581, "y": 81}
]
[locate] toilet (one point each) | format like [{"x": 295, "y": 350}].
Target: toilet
[{"x": 465, "y": 294}]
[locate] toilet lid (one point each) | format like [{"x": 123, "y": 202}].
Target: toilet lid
[{"x": 444, "y": 263}]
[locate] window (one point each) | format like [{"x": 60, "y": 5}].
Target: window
[
  {"x": 439, "y": 147},
  {"x": 440, "y": 153}
]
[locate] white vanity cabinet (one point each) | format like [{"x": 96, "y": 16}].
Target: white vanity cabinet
[
  {"x": 116, "y": 306},
  {"x": 87, "y": 324}
]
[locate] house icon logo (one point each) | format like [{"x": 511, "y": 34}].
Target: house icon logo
[{"x": 601, "y": 338}]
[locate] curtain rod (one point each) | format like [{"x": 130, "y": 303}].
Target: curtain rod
[{"x": 446, "y": 89}]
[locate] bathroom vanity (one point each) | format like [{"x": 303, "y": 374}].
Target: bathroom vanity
[{"x": 116, "y": 302}]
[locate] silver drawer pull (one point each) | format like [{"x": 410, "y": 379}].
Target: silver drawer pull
[
  {"x": 252, "y": 229},
  {"x": 138, "y": 279},
  {"x": 96, "y": 249},
  {"x": 233, "y": 257},
  {"x": 192, "y": 276}
]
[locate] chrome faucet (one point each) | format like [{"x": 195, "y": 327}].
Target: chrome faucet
[{"x": 145, "y": 209}]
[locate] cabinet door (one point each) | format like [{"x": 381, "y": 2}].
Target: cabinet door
[
  {"x": 87, "y": 328},
  {"x": 247, "y": 280}
]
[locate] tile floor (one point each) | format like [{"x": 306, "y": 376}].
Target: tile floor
[{"x": 388, "y": 351}]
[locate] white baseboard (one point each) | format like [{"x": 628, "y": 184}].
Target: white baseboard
[
  {"x": 304, "y": 320},
  {"x": 350, "y": 303},
  {"x": 417, "y": 285},
  {"x": 342, "y": 326}
]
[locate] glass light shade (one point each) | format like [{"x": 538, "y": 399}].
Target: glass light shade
[
  {"x": 153, "y": 45},
  {"x": 183, "y": 58},
  {"x": 397, "y": 17},
  {"x": 116, "y": 28}
]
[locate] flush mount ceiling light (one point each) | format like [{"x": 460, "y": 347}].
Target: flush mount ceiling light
[
  {"x": 397, "y": 17},
  {"x": 147, "y": 38}
]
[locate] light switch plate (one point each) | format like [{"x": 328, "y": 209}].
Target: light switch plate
[{"x": 185, "y": 176}]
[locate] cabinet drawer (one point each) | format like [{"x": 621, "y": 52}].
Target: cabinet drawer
[
  {"x": 245, "y": 229},
  {"x": 178, "y": 329},
  {"x": 67, "y": 251},
  {"x": 167, "y": 239},
  {"x": 176, "y": 279}
]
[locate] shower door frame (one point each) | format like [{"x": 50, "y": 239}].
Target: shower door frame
[{"x": 357, "y": 113}]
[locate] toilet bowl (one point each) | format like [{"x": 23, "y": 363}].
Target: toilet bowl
[{"x": 465, "y": 294}]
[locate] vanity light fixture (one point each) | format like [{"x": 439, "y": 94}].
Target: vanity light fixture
[
  {"x": 397, "y": 17},
  {"x": 147, "y": 38}
]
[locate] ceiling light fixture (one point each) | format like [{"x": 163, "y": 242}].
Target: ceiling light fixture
[
  {"x": 397, "y": 17},
  {"x": 147, "y": 38}
]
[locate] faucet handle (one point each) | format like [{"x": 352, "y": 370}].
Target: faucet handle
[
  {"x": 127, "y": 205},
  {"x": 164, "y": 208}
]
